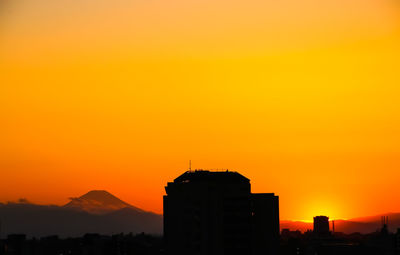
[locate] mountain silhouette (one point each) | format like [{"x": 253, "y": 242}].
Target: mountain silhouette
[
  {"x": 98, "y": 202},
  {"x": 95, "y": 212}
]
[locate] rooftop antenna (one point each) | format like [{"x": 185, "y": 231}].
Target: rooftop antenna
[
  {"x": 385, "y": 220},
  {"x": 190, "y": 165}
]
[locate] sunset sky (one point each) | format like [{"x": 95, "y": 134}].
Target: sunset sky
[{"x": 300, "y": 96}]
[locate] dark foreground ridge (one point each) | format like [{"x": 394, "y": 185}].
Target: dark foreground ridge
[
  {"x": 291, "y": 243},
  {"x": 89, "y": 244}
]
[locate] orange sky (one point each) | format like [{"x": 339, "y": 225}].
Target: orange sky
[{"x": 302, "y": 97}]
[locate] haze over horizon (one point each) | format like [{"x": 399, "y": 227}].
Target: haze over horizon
[
  {"x": 301, "y": 97},
  {"x": 100, "y": 202}
]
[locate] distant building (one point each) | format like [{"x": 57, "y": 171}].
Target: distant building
[
  {"x": 215, "y": 213},
  {"x": 321, "y": 225}
]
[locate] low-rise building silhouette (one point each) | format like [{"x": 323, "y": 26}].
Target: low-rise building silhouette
[{"x": 215, "y": 213}]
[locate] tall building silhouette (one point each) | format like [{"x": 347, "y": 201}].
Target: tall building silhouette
[
  {"x": 216, "y": 213},
  {"x": 321, "y": 225}
]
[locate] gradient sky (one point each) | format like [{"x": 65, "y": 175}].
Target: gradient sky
[{"x": 300, "y": 96}]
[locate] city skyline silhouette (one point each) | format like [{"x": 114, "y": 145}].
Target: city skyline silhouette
[
  {"x": 205, "y": 212},
  {"x": 84, "y": 214}
]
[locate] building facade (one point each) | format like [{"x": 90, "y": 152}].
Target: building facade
[
  {"x": 215, "y": 213},
  {"x": 321, "y": 226}
]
